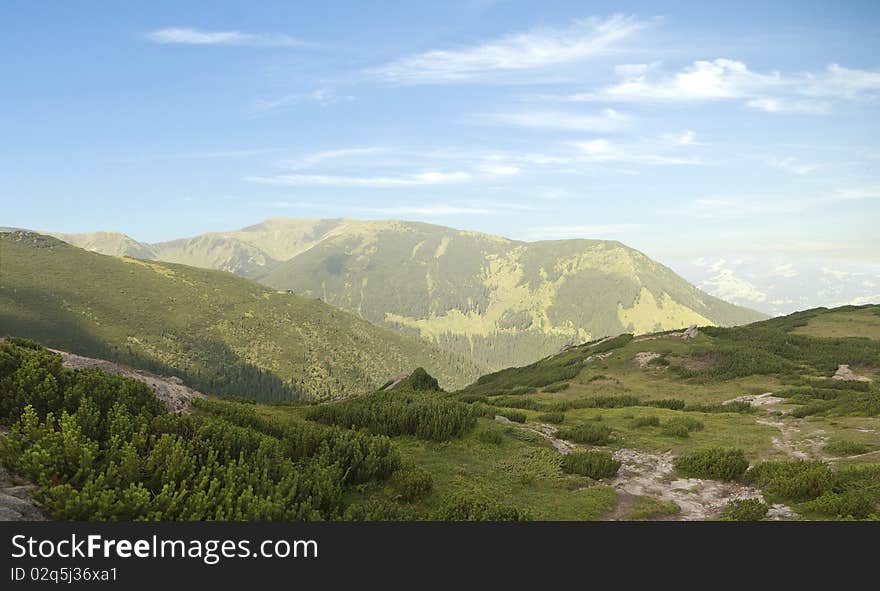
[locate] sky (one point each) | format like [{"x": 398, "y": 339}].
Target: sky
[{"x": 737, "y": 143}]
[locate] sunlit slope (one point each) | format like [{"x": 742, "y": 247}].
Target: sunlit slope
[
  {"x": 221, "y": 332},
  {"x": 502, "y": 301}
]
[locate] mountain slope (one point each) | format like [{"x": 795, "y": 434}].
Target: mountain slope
[
  {"x": 500, "y": 301},
  {"x": 220, "y": 332}
]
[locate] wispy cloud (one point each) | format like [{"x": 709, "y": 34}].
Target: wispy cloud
[
  {"x": 316, "y": 158},
  {"x": 856, "y": 193},
  {"x": 649, "y": 153},
  {"x": 791, "y": 165},
  {"x": 605, "y": 121},
  {"x": 581, "y": 231},
  {"x": 433, "y": 209},
  {"x": 727, "y": 79},
  {"x": 529, "y": 51},
  {"x": 320, "y": 96},
  {"x": 720, "y": 208},
  {"x": 190, "y": 36},
  {"x": 407, "y": 180}
]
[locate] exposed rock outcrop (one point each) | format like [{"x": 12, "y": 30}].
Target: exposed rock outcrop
[
  {"x": 15, "y": 499},
  {"x": 169, "y": 389},
  {"x": 845, "y": 374}
]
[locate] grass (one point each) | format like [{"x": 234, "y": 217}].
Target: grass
[{"x": 645, "y": 508}]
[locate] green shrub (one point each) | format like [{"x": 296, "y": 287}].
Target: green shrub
[
  {"x": 515, "y": 402},
  {"x": 422, "y": 414},
  {"x": 738, "y": 406},
  {"x": 412, "y": 483},
  {"x": 681, "y": 426},
  {"x": 853, "y": 504},
  {"x": 799, "y": 481},
  {"x": 491, "y": 436},
  {"x": 670, "y": 403},
  {"x": 744, "y": 510},
  {"x": 471, "y": 507},
  {"x": 559, "y": 387},
  {"x": 588, "y": 433},
  {"x": 646, "y": 421},
  {"x": 377, "y": 510},
  {"x": 513, "y": 415},
  {"x": 842, "y": 447},
  {"x": 714, "y": 463},
  {"x": 595, "y": 464},
  {"x": 552, "y": 417}
]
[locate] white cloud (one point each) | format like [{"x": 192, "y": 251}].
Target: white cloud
[
  {"x": 408, "y": 180},
  {"x": 728, "y": 286},
  {"x": 778, "y": 105},
  {"x": 602, "y": 150},
  {"x": 856, "y": 193},
  {"x": 734, "y": 207},
  {"x": 188, "y": 36},
  {"x": 791, "y": 165},
  {"x": 581, "y": 231},
  {"x": 540, "y": 48},
  {"x": 727, "y": 79},
  {"x": 427, "y": 210},
  {"x": 316, "y": 158},
  {"x": 606, "y": 121},
  {"x": 321, "y": 96},
  {"x": 687, "y": 138}
]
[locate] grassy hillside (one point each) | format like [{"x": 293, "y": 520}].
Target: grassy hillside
[
  {"x": 656, "y": 427},
  {"x": 218, "y": 331},
  {"x": 735, "y": 424},
  {"x": 500, "y": 301}
]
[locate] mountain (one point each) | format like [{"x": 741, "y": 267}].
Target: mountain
[
  {"x": 503, "y": 302},
  {"x": 219, "y": 332}
]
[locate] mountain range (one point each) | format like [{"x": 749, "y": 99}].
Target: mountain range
[
  {"x": 502, "y": 302},
  {"x": 218, "y": 332}
]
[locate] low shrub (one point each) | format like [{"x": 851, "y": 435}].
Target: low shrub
[
  {"x": 552, "y": 417},
  {"x": 646, "y": 421},
  {"x": 681, "y": 426},
  {"x": 588, "y": 433},
  {"x": 595, "y": 464},
  {"x": 842, "y": 447},
  {"x": 412, "y": 482},
  {"x": 715, "y": 463},
  {"x": 670, "y": 403},
  {"x": 552, "y": 388},
  {"x": 799, "y": 481},
  {"x": 513, "y": 415},
  {"x": 376, "y": 510},
  {"x": 738, "y": 406},
  {"x": 491, "y": 436},
  {"x": 852, "y": 504},
  {"x": 467, "y": 507},
  {"x": 515, "y": 402},
  {"x": 744, "y": 510}
]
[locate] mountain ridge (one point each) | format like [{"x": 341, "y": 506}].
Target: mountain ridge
[
  {"x": 502, "y": 301},
  {"x": 216, "y": 330}
]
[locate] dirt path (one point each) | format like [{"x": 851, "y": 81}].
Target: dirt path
[{"x": 651, "y": 474}]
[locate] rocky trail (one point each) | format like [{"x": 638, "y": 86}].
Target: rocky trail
[{"x": 652, "y": 474}]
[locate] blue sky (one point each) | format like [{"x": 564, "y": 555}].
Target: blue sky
[{"x": 736, "y": 142}]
